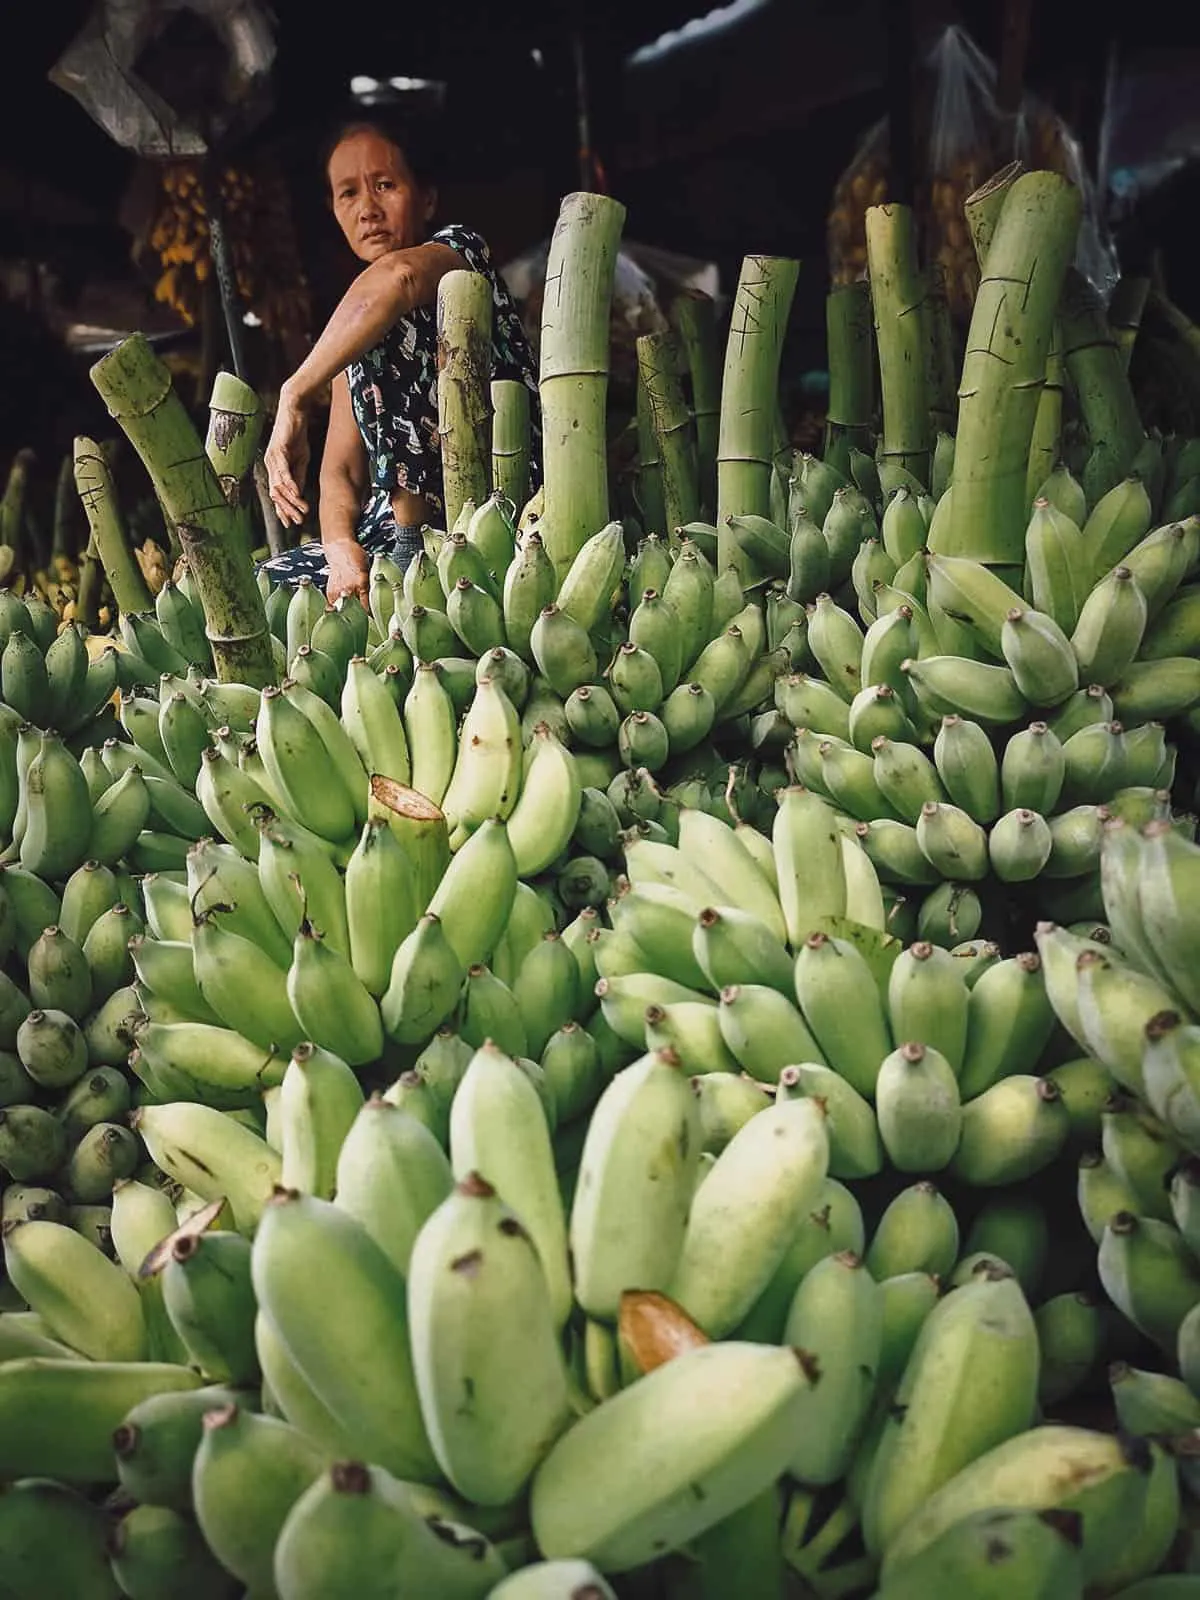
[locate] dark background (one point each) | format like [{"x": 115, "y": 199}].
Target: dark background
[{"x": 724, "y": 147}]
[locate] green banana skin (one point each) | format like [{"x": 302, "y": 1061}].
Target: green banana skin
[
  {"x": 248, "y": 1472},
  {"x": 1009, "y": 1023},
  {"x": 726, "y": 1101},
  {"x": 358, "y": 1530},
  {"x": 928, "y": 1001},
  {"x": 211, "y": 1155},
  {"x": 58, "y": 1416},
  {"x": 1152, "y": 1404},
  {"x": 1149, "y": 1275},
  {"x": 918, "y": 1107},
  {"x": 764, "y": 1031},
  {"x": 498, "y": 1128},
  {"x": 998, "y": 1553},
  {"x": 1049, "y": 1467},
  {"x": 648, "y": 1436},
  {"x": 836, "y": 1318},
  {"x": 981, "y": 1339},
  {"x": 918, "y": 1232},
  {"x": 482, "y": 1322},
  {"x": 638, "y": 1162},
  {"x": 742, "y": 1213},
  {"x": 53, "y": 1544},
  {"x": 1071, "y": 1337},
  {"x": 156, "y": 1552},
  {"x": 209, "y": 1299},
  {"x": 85, "y": 1300},
  {"x": 392, "y": 1174},
  {"x": 855, "y": 1150}
]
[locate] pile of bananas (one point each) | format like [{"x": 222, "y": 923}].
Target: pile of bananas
[{"x": 262, "y": 242}]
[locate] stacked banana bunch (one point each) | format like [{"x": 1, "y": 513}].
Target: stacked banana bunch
[
  {"x": 322, "y": 1381},
  {"x": 976, "y": 735}
]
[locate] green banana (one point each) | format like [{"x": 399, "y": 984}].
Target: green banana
[
  {"x": 651, "y": 1439},
  {"x": 918, "y": 1107},
  {"x": 249, "y": 1471},
  {"x": 928, "y": 1001},
  {"x": 1011, "y": 1131},
  {"x": 966, "y": 764},
  {"x": 54, "y": 841},
  {"x": 947, "y": 685},
  {"x": 1117, "y": 521},
  {"x": 391, "y": 1175},
  {"x": 841, "y": 1004},
  {"x": 764, "y": 1031},
  {"x": 498, "y": 1129},
  {"x": 1009, "y": 1023},
  {"x": 306, "y": 1251},
  {"x": 1071, "y": 1339},
  {"x": 1056, "y": 563},
  {"x": 998, "y": 1552},
  {"x": 855, "y": 1150},
  {"x": 1111, "y": 623},
  {"x": 953, "y": 843},
  {"x": 1039, "y": 656},
  {"x": 84, "y": 1299},
  {"x": 808, "y": 860},
  {"x": 741, "y": 1218},
  {"x": 208, "y": 1296},
  {"x": 918, "y": 1232},
  {"x": 211, "y": 1155},
  {"x": 330, "y": 1002},
  {"x": 157, "y": 1552}
]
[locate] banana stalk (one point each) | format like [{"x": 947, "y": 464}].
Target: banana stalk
[
  {"x": 573, "y": 375},
  {"x": 235, "y": 420},
  {"x": 693, "y": 316},
  {"x": 897, "y": 293},
  {"x": 941, "y": 377},
  {"x": 136, "y": 387},
  {"x": 850, "y": 342},
  {"x": 983, "y": 206},
  {"x": 650, "y": 469},
  {"x": 1046, "y": 445},
  {"x": 659, "y": 363},
  {"x": 1101, "y": 383},
  {"x": 12, "y": 506},
  {"x": 1005, "y": 369},
  {"x": 746, "y": 444},
  {"x": 1125, "y": 308},
  {"x": 464, "y": 336},
  {"x": 510, "y": 440},
  {"x": 98, "y": 493}
]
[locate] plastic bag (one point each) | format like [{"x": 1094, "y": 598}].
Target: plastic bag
[
  {"x": 966, "y": 137},
  {"x": 100, "y": 69}
]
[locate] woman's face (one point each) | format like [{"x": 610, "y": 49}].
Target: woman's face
[{"x": 378, "y": 203}]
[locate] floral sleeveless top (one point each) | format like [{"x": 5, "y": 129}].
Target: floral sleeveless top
[{"x": 393, "y": 388}]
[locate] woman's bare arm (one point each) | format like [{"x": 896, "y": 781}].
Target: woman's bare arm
[
  {"x": 343, "y": 484},
  {"x": 381, "y": 293}
]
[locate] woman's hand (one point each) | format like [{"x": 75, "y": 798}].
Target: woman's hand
[
  {"x": 349, "y": 572},
  {"x": 286, "y": 460}
]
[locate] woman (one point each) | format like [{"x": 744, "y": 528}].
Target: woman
[{"x": 380, "y": 476}]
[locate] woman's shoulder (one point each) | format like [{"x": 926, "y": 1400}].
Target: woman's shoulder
[{"x": 466, "y": 242}]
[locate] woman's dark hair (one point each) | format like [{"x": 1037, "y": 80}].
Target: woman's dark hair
[{"x": 414, "y": 136}]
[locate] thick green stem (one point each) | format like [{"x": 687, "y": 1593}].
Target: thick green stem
[
  {"x": 897, "y": 296},
  {"x": 235, "y": 421},
  {"x": 694, "y": 318},
  {"x": 510, "y": 440},
  {"x": 1046, "y": 444},
  {"x": 573, "y": 382},
  {"x": 137, "y": 389},
  {"x": 659, "y": 377},
  {"x": 983, "y": 206},
  {"x": 109, "y": 540},
  {"x": 1125, "y": 308},
  {"x": 12, "y": 505},
  {"x": 941, "y": 377},
  {"x": 850, "y": 343},
  {"x": 91, "y": 587},
  {"x": 1178, "y": 321},
  {"x": 66, "y": 509},
  {"x": 1101, "y": 383},
  {"x": 649, "y": 465},
  {"x": 464, "y": 342},
  {"x": 1004, "y": 370},
  {"x": 750, "y": 398}
]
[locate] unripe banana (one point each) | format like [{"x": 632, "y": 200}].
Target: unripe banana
[
  {"x": 809, "y": 864},
  {"x": 431, "y": 733},
  {"x": 716, "y": 848},
  {"x": 842, "y": 1006},
  {"x": 1111, "y": 623},
  {"x": 1034, "y": 1553},
  {"x": 298, "y": 879},
  {"x": 482, "y": 1323},
  {"x": 208, "y": 1296},
  {"x": 57, "y": 806},
  {"x": 947, "y": 685},
  {"x": 156, "y": 1552},
  {"x": 649, "y": 1437},
  {"x": 318, "y": 1102},
  {"x": 966, "y": 764},
  {"x": 905, "y": 776},
  {"x": 373, "y": 722},
  {"x": 554, "y": 1580},
  {"x": 979, "y": 1341},
  {"x": 248, "y": 1473},
  {"x": 836, "y": 642},
  {"x": 809, "y": 702},
  {"x": 1009, "y": 1023},
  {"x": 771, "y": 1170},
  {"x": 106, "y": 1154},
  {"x": 1019, "y": 846},
  {"x": 1056, "y": 562},
  {"x": 892, "y": 849},
  {"x": 292, "y": 748},
  {"x": 329, "y": 1000},
  {"x": 918, "y": 1232},
  {"x": 640, "y": 1151},
  {"x": 952, "y": 841},
  {"x": 1157, "y": 690},
  {"x": 726, "y": 1101},
  {"x": 855, "y": 1150},
  {"x": 928, "y": 1001},
  {"x": 487, "y": 774},
  {"x": 833, "y": 1222},
  {"x": 764, "y": 1031},
  {"x": 424, "y": 986},
  {"x": 974, "y": 596},
  {"x": 1141, "y": 1151},
  {"x": 219, "y": 877},
  {"x": 392, "y": 1174},
  {"x": 1011, "y": 1131},
  {"x": 1151, "y": 1403},
  {"x": 498, "y": 1129},
  {"x": 308, "y": 1252},
  {"x": 1117, "y": 521},
  {"x": 1040, "y": 657},
  {"x": 1053, "y": 1466},
  {"x": 213, "y": 1156},
  {"x": 84, "y": 1299},
  {"x": 688, "y": 590}
]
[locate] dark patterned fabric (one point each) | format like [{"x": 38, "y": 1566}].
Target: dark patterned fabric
[
  {"x": 394, "y": 387},
  {"x": 308, "y": 560},
  {"x": 393, "y": 390}
]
